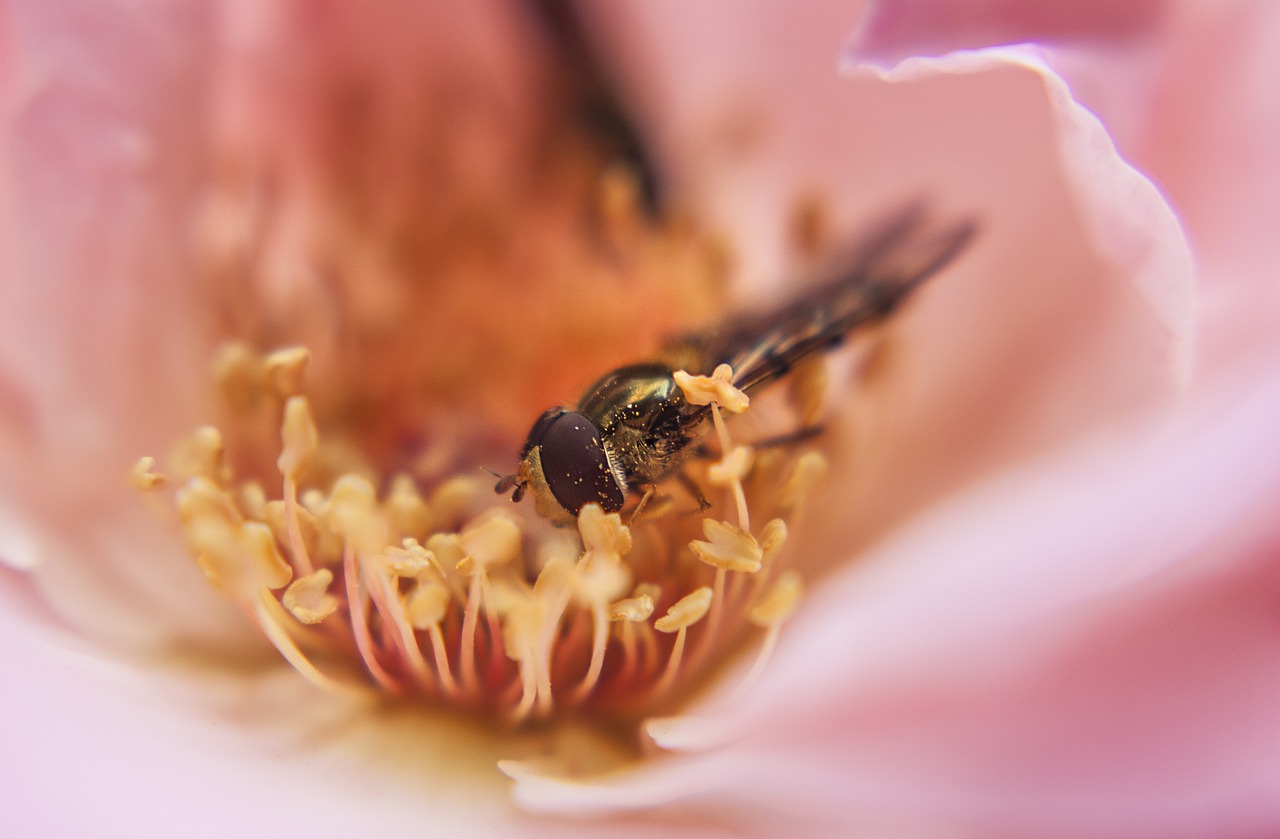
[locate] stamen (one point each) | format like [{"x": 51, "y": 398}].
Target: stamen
[
  {"x": 729, "y": 472},
  {"x": 808, "y": 470},
  {"x": 493, "y": 543},
  {"x": 470, "y": 679},
  {"x": 780, "y": 601},
  {"x": 299, "y": 437},
  {"x": 387, "y": 569},
  {"x": 769, "y": 613},
  {"x": 308, "y": 599},
  {"x": 143, "y": 476},
  {"x": 772, "y": 537},
  {"x": 683, "y": 614},
  {"x": 714, "y": 389},
  {"x": 632, "y": 610},
  {"x": 237, "y": 556},
  {"x": 264, "y": 608},
  {"x": 729, "y": 547},
  {"x": 520, "y": 637},
  {"x": 554, "y": 589},
  {"x": 283, "y": 371},
  {"x": 426, "y": 609},
  {"x": 360, "y": 623},
  {"x": 600, "y": 578},
  {"x": 407, "y": 512},
  {"x": 202, "y": 456},
  {"x": 237, "y": 370},
  {"x": 253, "y": 500},
  {"x": 628, "y": 613},
  {"x": 717, "y": 390}
]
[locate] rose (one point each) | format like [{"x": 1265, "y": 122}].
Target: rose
[{"x": 985, "y": 633}]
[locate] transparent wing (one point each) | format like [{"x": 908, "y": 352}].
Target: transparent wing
[{"x": 876, "y": 276}]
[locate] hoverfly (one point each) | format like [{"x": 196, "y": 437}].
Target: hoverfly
[{"x": 634, "y": 427}]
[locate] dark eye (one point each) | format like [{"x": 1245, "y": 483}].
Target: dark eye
[{"x": 574, "y": 462}]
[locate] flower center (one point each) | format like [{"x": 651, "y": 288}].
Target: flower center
[
  {"x": 452, "y": 599},
  {"x": 454, "y": 258}
]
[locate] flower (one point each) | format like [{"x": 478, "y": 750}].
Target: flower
[{"x": 1043, "y": 603}]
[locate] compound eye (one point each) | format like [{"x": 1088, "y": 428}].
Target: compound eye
[{"x": 574, "y": 464}]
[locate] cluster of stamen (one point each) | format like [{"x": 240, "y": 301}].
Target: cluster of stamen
[{"x": 455, "y": 598}]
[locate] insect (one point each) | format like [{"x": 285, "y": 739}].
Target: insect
[{"x": 634, "y": 427}]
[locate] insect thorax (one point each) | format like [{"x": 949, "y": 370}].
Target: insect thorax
[{"x": 643, "y": 418}]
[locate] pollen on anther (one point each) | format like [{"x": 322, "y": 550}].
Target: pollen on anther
[
  {"x": 298, "y": 434},
  {"x": 427, "y": 605},
  {"x": 143, "y": 476},
  {"x": 603, "y": 533},
  {"x": 778, "y": 602},
  {"x": 686, "y": 611},
  {"x": 728, "y": 546},
  {"x": 717, "y": 388},
  {"x": 283, "y": 370},
  {"x": 202, "y": 455},
  {"x": 733, "y": 467},
  {"x": 495, "y": 542},
  {"x": 632, "y": 609},
  {"x": 806, "y": 473},
  {"x": 308, "y": 598}
]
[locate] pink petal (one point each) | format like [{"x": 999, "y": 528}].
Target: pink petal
[
  {"x": 1211, "y": 128},
  {"x": 898, "y": 29},
  {"x": 1183, "y": 88},
  {"x": 1127, "y": 217},
  {"x": 98, "y": 747},
  {"x": 97, "y": 329}
]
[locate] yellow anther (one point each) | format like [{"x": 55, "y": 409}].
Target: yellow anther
[
  {"x": 729, "y": 547},
  {"x": 427, "y": 605},
  {"x": 308, "y": 598},
  {"x": 732, "y": 468},
  {"x": 238, "y": 373},
  {"x": 253, "y": 500},
  {"x": 453, "y": 499},
  {"x": 298, "y": 434},
  {"x": 237, "y": 556},
  {"x": 271, "y": 571},
  {"x": 603, "y": 534},
  {"x": 556, "y": 576},
  {"x": 632, "y": 609},
  {"x": 779, "y": 602},
  {"x": 600, "y": 579},
  {"x": 495, "y": 541},
  {"x": 201, "y": 456},
  {"x": 772, "y": 537},
  {"x": 274, "y": 516},
  {"x": 407, "y": 513},
  {"x": 401, "y": 562},
  {"x": 143, "y": 476},
  {"x": 353, "y": 513},
  {"x": 284, "y": 369},
  {"x": 717, "y": 388},
  {"x": 808, "y": 470},
  {"x": 686, "y": 611},
  {"x": 201, "y": 498}
]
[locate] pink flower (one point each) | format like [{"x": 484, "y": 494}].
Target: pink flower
[{"x": 1043, "y": 588}]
